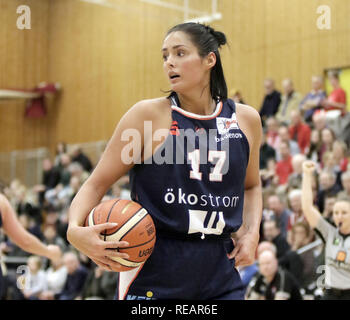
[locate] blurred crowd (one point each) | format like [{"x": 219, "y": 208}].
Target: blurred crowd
[
  {"x": 43, "y": 211},
  {"x": 289, "y": 257}
]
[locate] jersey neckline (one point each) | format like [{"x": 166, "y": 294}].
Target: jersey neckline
[{"x": 192, "y": 115}]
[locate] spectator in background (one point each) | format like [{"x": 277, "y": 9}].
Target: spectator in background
[
  {"x": 25, "y": 205},
  {"x": 284, "y": 167},
  {"x": 294, "y": 180},
  {"x": 297, "y": 214},
  {"x": 64, "y": 169},
  {"x": 299, "y": 131},
  {"x": 315, "y": 146},
  {"x": 34, "y": 280},
  {"x": 76, "y": 278},
  {"x": 50, "y": 179},
  {"x": 329, "y": 203},
  {"x": 337, "y": 98},
  {"x": 345, "y": 180},
  {"x": 327, "y": 138},
  {"x": 272, "y": 233},
  {"x": 290, "y": 102},
  {"x": 283, "y": 136},
  {"x": 56, "y": 276},
  {"x": 271, "y": 101},
  {"x": 340, "y": 159},
  {"x": 78, "y": 156},
  {"x": 266, "y": 152},
  {"x": 61, "y": 148},
  {"x": 301, "y": 236},
  {"x": 51, "y": 237},
  {"x": 328, "y": 186},
  {"x": 236, "y": 96},
  {"x": 312, "y": 101},
  {"x": 272, "y": 282},
  {"x": 272, "y": 132},
  {"x": 100, "y": 285},
  {"x": 281, "y": 214}
]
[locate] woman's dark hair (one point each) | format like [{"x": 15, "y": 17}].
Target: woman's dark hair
[{"x": 207, "y": 40}]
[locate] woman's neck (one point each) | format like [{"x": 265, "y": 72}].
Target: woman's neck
[{"x": 197, "y": 103}]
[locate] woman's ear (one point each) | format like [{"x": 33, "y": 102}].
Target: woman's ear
[{"x": 211, "y": 60}]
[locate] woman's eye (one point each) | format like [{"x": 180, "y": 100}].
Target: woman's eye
[
  {"x": 181, "y": 54},
  {"x": 164, "y": 58}
]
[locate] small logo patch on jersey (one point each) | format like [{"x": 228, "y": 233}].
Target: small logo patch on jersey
[
  {"x": 175, "y": 129},
  {"x": 341, "y": 256},
  {"x": 224, "y": 125}
]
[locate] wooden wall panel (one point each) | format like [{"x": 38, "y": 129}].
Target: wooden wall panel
[
  {"x": 23, "y": 64},
  {"x": 109, "y": 58}
]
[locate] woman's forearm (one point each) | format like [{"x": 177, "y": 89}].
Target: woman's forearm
[
  {"x": 85, "y": 200},
  {"x": 252, "y": 210},
  {"x": 306, "y": 189}
]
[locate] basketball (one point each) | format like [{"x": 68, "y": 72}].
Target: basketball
[{"x": 135, "y": 226}]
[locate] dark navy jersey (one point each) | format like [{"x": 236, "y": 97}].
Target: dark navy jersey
[{"x": 194, "y": 183}]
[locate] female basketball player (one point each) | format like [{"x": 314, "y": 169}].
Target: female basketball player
[
  {"x": 21, "y": 237},
  {"x": 196, "y": 204}
]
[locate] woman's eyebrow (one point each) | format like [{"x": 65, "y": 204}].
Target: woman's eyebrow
[{"x": 174, "y": 47}]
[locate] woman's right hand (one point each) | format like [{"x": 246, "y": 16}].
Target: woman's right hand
[
  {"x": 309, "y": 166},
  {"x": 87, "y": 240}
]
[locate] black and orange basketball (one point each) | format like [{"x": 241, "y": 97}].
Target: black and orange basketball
[{"x": 135, "y": 226}]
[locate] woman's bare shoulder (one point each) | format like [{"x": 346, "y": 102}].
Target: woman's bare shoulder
[
  {"x": 249, "y": 121},
  {"x": 151, "y": 108}
]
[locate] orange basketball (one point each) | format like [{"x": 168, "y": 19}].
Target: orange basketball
[{"x": 135, "y": 226}]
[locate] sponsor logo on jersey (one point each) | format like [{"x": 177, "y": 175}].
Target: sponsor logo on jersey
[{"x": 224, "y": 125}]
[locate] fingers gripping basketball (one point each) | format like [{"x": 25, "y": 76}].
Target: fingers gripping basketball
[{"x": 135, "y": 226}]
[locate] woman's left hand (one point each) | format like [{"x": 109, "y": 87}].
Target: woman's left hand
[{"x": 245, "y": 249}]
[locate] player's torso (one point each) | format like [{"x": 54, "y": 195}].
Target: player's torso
[
  {"x": 338, "y": 260},
  {"x": 194, "y": 181}
]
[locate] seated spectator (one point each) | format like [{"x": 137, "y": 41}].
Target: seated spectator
[
  {"x": 236, "y": 96},
  {"x": 50, "y": 179},
  {"x": 297, "y": 214},
  {"x": 329, "y": 202},
  {"x": 272, "y": 126},
  {"x": 56, "y": 276},
  {"x": 290, "y": 261},
  {"x": 272, "y": 282},
  {"x": 290, "y": 102},
  {"x": 34, "y": 280},
  {"x": 327, "y": 138},
  {"x": 283, "y": 136},
  {"x": 315, "y": 146},
  {"x": 61, "y": 148},
  {"x": 337, "y": 98},
  {"x": 79, "y": 156},
  {"x": 345, "y": 180},
  {"x": 328, "y": 186},
  {"x": 272, "y": 233},
  {"x": 312, "y": 101},
  {"x": 301, "y": 236},
  {"x": 100, "y": 285},
  {"x": 76, "y": 278},
  {"x": 51, "y": 237},
  {"x": 268, "y": 176},
  {"x": 300, "y": 132},
  {"x": 266, "y": 152},
  {"x": 64, "y": 169},
  {"x": 271, "y": 101},
  {"x": 280, "y": 213},
  {"x": 341, "y": 127},
  {"x": 284, "y": 167},
  {"x": 294, "y": 180},
  {"x": 341, "y": 161}
]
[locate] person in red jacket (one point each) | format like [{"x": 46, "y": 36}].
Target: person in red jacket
[
  {"x": 284, "y": 167},
  {"x": 300, "y": 131}
]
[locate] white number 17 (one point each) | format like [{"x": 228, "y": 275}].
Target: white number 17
[{"x": 216, "y": 175}]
